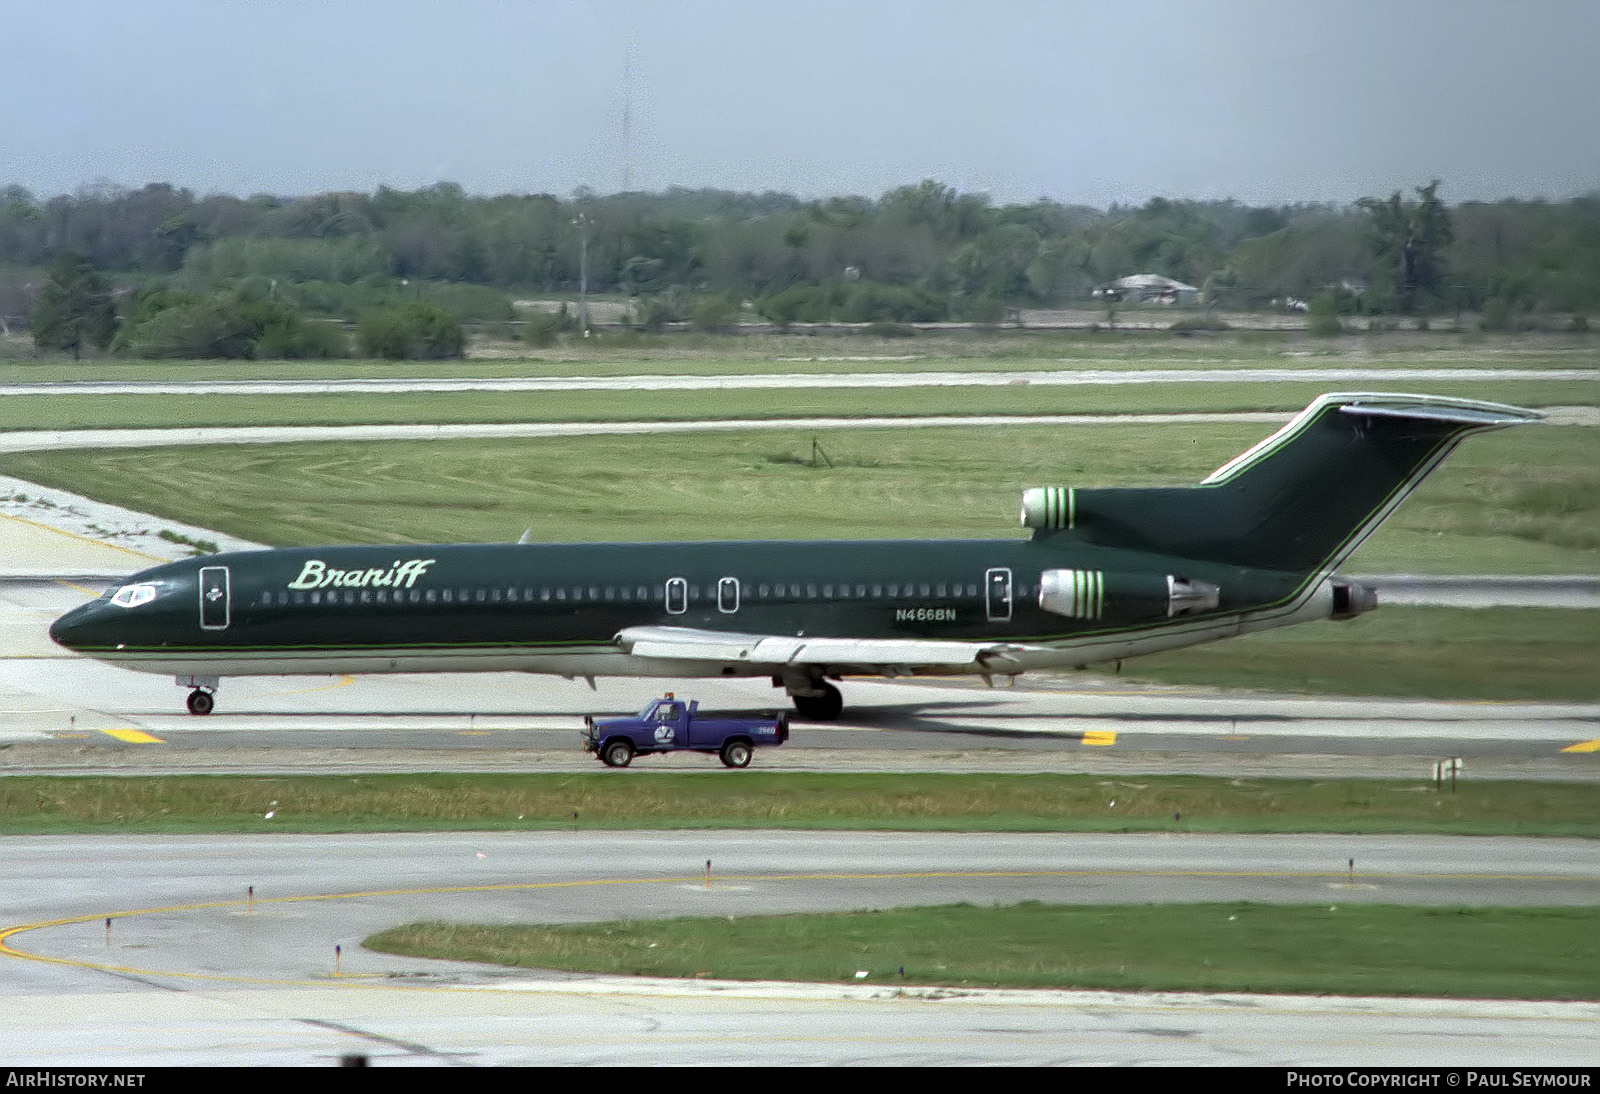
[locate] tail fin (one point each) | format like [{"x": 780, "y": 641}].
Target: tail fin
[{"x": 1300, "y": 501}]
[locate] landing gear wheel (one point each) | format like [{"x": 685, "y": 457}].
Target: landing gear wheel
[
  {"x": 736, "y": 754},
  {"x": 819, "y": 708},
  {"x": 617, "y": 753},
  {"x": 200, "y": 702}
]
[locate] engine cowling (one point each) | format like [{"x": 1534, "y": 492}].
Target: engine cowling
[
  {"x": 1048, "y": 507},
  {"x": 1098, "y": 594}
]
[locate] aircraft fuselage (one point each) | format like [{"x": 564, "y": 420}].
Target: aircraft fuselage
[{"x": 559, "y": 607}]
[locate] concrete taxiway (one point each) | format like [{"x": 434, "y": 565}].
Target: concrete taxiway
[{"x": 137, "y": 951}]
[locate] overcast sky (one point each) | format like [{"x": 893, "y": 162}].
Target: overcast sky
[{"x": 1078, "y": 101}]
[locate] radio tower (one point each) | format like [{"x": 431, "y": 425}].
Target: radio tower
[{"x": 627, "y": 121}]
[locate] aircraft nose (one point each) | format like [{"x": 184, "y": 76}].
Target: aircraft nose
[{"x": 71, "y": 630}]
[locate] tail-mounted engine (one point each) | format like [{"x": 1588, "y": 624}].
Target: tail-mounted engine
[{"x": 1096, "y": 594}]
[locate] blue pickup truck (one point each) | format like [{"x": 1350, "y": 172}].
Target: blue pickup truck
[{"x": 675, "y": 725}]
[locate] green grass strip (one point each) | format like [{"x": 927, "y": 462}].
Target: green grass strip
[
  {"x": 1405, "y": 651},
  {"x": 1342, "y": 949},
  {"x": 65, "y": 411},
  {"x": 639, "y": 798}
]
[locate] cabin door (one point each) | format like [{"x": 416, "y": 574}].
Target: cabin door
[
  {"x": 215, "y": 593},
  {"x": 997, "y": 594}
]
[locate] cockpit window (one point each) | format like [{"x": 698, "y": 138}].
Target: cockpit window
[{"x": 131, "y": 596}]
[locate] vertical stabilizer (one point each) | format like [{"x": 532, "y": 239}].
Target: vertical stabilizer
[{"x": 1300, "y": 501}]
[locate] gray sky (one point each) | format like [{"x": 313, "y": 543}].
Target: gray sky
[{"x": 1074, "y": 100}]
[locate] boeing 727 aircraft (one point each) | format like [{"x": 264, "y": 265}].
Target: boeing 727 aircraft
[{"x": 1107, "y": 574}]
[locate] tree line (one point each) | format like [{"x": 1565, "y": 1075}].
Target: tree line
[{"x": 922, "y": 252}]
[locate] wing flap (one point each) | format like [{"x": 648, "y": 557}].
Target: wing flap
[{"x": 688, "y": 644}]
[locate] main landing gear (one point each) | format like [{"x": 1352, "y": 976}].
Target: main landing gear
[
  {"x": 814, "y": 698},
  {"x": 203, "y": 696}
]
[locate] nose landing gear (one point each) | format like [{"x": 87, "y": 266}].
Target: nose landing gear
[{"x": 202, "y": 697}]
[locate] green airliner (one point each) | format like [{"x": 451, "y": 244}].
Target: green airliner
[{"x": 1107, "y": 574}]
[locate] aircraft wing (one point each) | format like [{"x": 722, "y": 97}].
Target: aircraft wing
[{"x": 689, "y": 644}]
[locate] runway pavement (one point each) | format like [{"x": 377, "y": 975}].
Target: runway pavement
[{"x": 139, "y": 951}]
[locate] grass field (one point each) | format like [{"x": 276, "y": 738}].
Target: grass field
[
  {"x": 1518, "y": 501},
  {"x": 1359, "y": 949},
  {"x": 741, "y": 800},
  {"x": 631, "y": 354},
  {"x": 1408, "y": 651}
]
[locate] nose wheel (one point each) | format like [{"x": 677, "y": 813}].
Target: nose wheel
[{"x": 200, "y": 701}]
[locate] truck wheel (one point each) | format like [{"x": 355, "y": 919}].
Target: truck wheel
[
  {"x": 617, "y": 753},
  {"x": 736, "y": 754}
]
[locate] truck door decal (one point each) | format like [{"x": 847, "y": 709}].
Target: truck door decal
[
  {"x": 215, "y": 594},
  {"x": 997, "y": 594}
]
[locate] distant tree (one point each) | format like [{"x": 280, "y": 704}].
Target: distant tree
[
  {"x": 191, "y": 327},
  {"x": 74, "y": 307},
  {"x": 716, "y": 313},
  {"x": 1408, "y": 238},
  {"x": 1322, "y": 317},
  {"x": 416, "y": 331}
]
